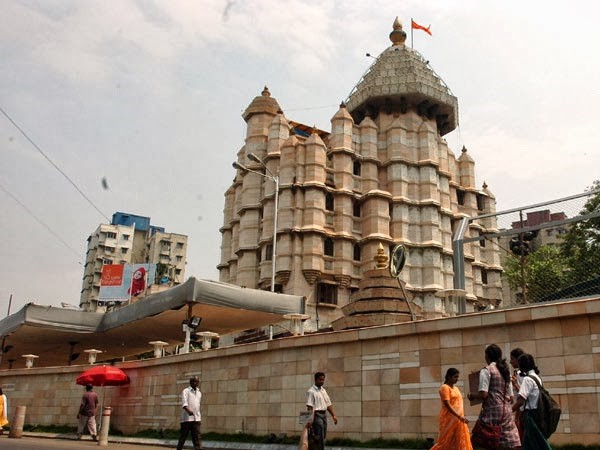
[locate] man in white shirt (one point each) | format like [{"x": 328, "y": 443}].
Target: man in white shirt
[
  {"x": 318, "y": 401},
  {"x": 190, "y": 415}
]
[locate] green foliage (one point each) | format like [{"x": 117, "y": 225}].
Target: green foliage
[
  {"x": 581, "y": 243},
  {"x": 545, "y": 271},
  {"x": 58, "y": 429}
]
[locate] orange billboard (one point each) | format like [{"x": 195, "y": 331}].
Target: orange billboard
[{"x": 112, "y": 275}]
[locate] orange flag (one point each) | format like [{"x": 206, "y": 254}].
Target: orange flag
[{"x": 416, "y": 26}]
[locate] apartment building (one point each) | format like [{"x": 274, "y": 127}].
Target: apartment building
[{"x": 131, "y": 239}]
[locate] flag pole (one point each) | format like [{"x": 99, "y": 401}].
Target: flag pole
[{"x": 411, "y": 33}]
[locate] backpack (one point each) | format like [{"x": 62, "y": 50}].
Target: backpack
[{"x": 548, "y": 411}]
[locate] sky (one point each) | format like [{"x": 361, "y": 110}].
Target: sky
[{"x": 136, "y": 106}]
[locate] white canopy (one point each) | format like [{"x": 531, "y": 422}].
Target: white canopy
[{"x": 55, "y": 333}]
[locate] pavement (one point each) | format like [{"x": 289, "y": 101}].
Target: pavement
[{"x": 172, "y": 443}]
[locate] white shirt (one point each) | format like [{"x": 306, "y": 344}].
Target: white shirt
[
  {"x": 529, "y": 390},
  {"x": 191, "y": 397},
  {"x": 484, "y": 381},
  {"x": 317, "y": 398}
]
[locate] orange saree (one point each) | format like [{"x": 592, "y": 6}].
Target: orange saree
[{"x": 454, "y": 434}]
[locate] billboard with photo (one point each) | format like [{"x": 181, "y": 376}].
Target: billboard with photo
[{"x": 121, "y": 282}]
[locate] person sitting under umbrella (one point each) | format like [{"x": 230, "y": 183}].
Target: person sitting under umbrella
[{"x": 87, "y": 412}]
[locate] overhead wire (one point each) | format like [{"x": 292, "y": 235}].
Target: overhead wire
[
  {"x": 41, "y": 222},
  {"x": 53, "y": 163}
]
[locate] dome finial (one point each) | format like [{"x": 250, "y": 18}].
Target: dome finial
[
  {"x": 380, "y": 258},
  {"x": 265, "y": 92},
  {"x": 397, "y": 36}
]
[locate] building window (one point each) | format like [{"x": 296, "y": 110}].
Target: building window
[
  {"x": 460, "y": 196},
  {"x": 329, "y": 202},
  {"x": 110, "y": 235},
  {"x": 480, "y": 202},
  {"x": 180, "y": 245},
  {"x": 355, "y": 208},
  {"x": 356, "y": 168},
  {"x": 482, "y": 241},
  {"x": 179, "y": 257},
  {"x": 356, "y": 253},
  {"x": 177, "y": 271},
  {"x": 484, "y": 276},
  {"x": 327, "y": 293},
  {"x": 124, "y": 250},
  {"x": 125, "y": 237},
  {"x": 328, "y": 247},
  {"x": 107, "y": 261},
  {"x": 269, "y": 252}
]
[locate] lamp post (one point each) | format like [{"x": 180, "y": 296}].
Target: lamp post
[
  {"x": 92, "y": 355},
  {"x": 270, "y": 176}
]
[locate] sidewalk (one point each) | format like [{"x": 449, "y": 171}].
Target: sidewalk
[{"x": 172, "y": 443}]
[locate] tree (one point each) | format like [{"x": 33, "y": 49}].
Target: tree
[
  {"x": 581, "y": 243},
  {"x": 544, "y": 272}
]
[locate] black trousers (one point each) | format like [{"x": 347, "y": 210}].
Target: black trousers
[
  {"x": 187, "y": 428},
  {"x": 319, "y": 429}
]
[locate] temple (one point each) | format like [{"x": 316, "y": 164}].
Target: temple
[{"x": 383, "y": 175}]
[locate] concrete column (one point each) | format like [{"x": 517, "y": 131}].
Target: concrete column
[
  {"x": 105, "y": 425},
  {"x": 16, "y": 426}
]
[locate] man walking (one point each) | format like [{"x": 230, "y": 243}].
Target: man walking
[
  {"x": 87, "y": 412},
  {"x": 190, "y": 415},
  {"x": 318, "y": 401}
]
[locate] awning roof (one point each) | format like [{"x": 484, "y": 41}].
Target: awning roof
[{"x": 47, "y": 331}]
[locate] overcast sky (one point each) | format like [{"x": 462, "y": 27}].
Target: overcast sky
[{"x": 149, "y": 95}]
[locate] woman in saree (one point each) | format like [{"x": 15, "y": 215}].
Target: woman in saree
[
  {"x": 3, "y": 412},
  {"x": 454, "y": 429}
]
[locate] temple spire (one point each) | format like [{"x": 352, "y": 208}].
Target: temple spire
[{"x": 398, "y": 36}]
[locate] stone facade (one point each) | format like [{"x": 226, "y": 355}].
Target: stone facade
[
  {"x": 383, "y": 380},
  {"x": 384, "y": 174}
]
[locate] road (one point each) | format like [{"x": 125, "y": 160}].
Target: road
[{"x": 32, "y": 443}]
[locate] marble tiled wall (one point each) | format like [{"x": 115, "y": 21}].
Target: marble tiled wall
[{"x": 383, "y": 380}]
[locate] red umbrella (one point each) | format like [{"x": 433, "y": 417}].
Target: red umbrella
[{"x": 103, "y": 376}]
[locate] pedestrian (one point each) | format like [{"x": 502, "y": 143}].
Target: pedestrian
[
  {"x": 454, "y": 429},
  {"x": 516, "y": 379},
  {"x": 87, "y": 412},
  {"x": 190, "y": 415},
  {"x": 495, "y": 391},
  {"x": 318, "y": 401},
  {"x": 527, "y": 400},
  {"x": 3, "y": 411}
]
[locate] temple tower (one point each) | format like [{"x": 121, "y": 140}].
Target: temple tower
[{"x": 383, "y": 174}]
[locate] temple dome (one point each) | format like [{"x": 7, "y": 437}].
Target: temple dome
[
  {"x": 401, "y": 79},
  {"x": 264, "y": 103}
]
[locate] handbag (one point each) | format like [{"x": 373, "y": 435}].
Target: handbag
[{"x": 486, "y": 435}]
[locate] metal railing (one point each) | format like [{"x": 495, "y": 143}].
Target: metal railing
[{"x": 533, "y": 243}]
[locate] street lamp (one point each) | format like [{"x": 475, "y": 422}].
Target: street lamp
[{"x": 271, "y": 176}]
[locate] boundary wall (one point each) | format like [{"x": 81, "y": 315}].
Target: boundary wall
[{"x": 383, "y": 380}]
